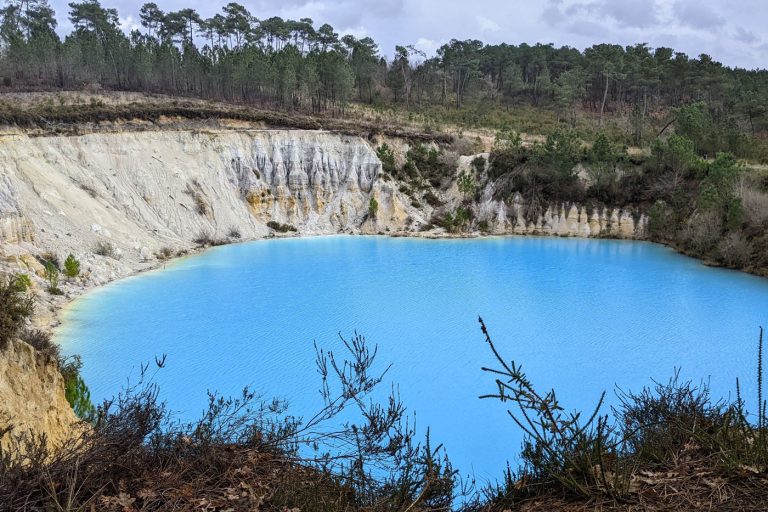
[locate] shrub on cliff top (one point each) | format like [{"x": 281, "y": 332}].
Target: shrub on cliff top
[
  {"x": 41, "y": 341},
  {"x": 387, "y": 157},
  {"x": 669, "y": 432}
]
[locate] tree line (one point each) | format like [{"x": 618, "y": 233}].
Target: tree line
[{"x": 291, "y": 64}]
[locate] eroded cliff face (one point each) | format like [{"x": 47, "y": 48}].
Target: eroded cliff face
[
  {"x": 146, "y": 190},
  {"x": 569, "y": 220},
  {"x": 142, "y": 192},
  {"x": 32, "y": 396}
]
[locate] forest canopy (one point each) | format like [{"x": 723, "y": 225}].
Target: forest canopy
[{"x": 294, "y": 64}]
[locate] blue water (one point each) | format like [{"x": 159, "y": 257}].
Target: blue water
[{"x": 581, "y": 315}]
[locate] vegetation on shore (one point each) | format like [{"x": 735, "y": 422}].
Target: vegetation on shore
[{"x": 713, "y": 208}]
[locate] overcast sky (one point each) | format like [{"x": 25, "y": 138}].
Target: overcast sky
[{"x": 734, "y": 32}]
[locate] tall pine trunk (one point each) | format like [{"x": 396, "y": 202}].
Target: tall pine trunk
[{"x": 605, "y": 97}]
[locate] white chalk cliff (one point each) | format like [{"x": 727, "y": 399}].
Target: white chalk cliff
[{"x": 143, "y": 191}]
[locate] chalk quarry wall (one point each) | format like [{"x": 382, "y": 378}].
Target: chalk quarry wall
[{"x": 141, "y": 191}]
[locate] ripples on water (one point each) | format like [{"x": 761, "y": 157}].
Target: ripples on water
[{"x": 581, "y": 315}]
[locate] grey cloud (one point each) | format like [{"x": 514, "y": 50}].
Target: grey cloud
[
  {"x": 629, "y": 13},
  {"x": 585, "y": 28},
  {"x": 626, "y": 13},
  {"x": 729, "y": 30},
  {"x": 697, "y": 14},
  {"x": 553, "y": 13},
  {"x": 745, "y": 36}
]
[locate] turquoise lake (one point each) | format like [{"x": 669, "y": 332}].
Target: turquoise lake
[{"x": 581, "y": 316}]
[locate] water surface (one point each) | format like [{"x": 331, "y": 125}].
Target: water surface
[{"x": 581, "y": 315}]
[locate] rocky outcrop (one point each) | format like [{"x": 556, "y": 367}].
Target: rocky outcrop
[
  {"x": 568, "y": 220},
  {"x": 141, "y": 192},
  {"x": 16, "y": 228},
  {"x": 313, "y": 180},
  {"x": 32, "y": 396}
]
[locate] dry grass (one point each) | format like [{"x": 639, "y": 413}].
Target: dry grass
[
  {"x": 689, "y": 486},
  {"x": 72, "y": 113},
  {"x": 755, "y": 204}
]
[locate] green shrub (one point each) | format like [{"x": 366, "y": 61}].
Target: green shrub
[
  {"x": 409, "y": 169},
  {"x": 559, "y": 154},
  {"x": 23, "y": 281},
  {"x": 453, "y": 222},
  {"x": 52, "y": 276},
  {"x": 466, "y": 184},
  {"x": 602, "y": 159},
  {"x": 427, "y": 162},
  {"x": 387, "y": 157},
  {"x": 660, "y": 220},
  {"x": 461, "y": 218},
  {"x": 507, "y": 154},
  {"x": 15, "y": 307},
  {"x": 373, "y": 207},
  {"x": 79, "y": 397},
  {"x": 735, "y": 214},
  {"x": 71, "y": 267},
  {"x": 478, "y": 164},
  {"x": 281, "y": 228},
  {"x": 675, "y": 155}
]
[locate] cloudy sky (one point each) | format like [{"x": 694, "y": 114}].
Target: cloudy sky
[{"x": 732, "y": 31}]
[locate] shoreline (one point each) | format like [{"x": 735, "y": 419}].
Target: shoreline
[{"x": 61, "y": 307}]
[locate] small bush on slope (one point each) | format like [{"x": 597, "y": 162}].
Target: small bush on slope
[
  {"x": 71, "y": 267},
  {"x": 16, "y": 305}
]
